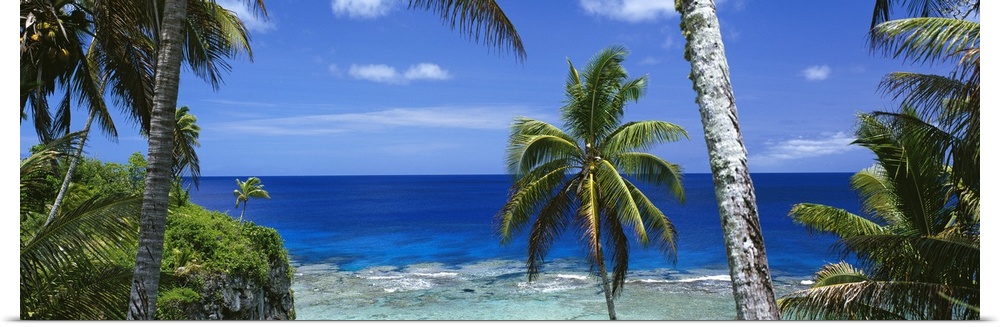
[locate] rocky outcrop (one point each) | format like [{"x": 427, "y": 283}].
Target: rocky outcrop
[{"x": 226, "y": 297}]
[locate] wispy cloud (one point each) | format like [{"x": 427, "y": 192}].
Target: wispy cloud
[
  {"x": 633, "y": 11},
  {"x": 801, "y": 148},
  {"x": 817, "y": 73},
  {"x": 387, "y": 74},
  {"x": 737, "y": 5},
  {"x": 252, "y": 22},
  {"x": 650, "y": 60},
  {"x": 334, "y": 70},
  {"x": 478, "y": 118},
  {"x": 363, "y": 9}
]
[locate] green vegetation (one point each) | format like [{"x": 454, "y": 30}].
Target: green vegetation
[
  {"x": 597, "y": 153},
  {"x": 70, "y": 267},
  {"x": 917, "y": 239},
  {"x": 80, "y": 265}
]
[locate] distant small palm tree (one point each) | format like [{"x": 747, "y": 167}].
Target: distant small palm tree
[
  {"x": 251, "y": 188},
  {"x": 578, "y": 178}
]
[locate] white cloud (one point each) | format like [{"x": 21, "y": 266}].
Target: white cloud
[
  {"x": 252, "y": 22},
  {"x": 479, "y": 118},
  {"x": 630, "y": 10},
  {"x": 364, "y": 9},
  {"x": 805, "y": 148},
  {"x": 375, "y": 73},
  {"x": 426, "y": 71},
  {"x": 387, "y": 74},
  {"x": 817, "y": 73}
]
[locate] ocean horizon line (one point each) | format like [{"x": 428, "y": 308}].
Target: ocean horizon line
[{"x": 497, "y": 174}]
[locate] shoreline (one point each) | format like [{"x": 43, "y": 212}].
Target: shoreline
[{"x": 499, "y": 290}]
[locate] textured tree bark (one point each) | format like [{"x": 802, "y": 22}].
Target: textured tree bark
[
  {"x": 155, "y": 199},
  {"x": 748, "y": 269},
  {"x": 606, "y": 284}
]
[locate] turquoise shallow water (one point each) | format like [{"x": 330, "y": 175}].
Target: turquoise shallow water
[
  {"x": 499, "y": 290},
  {"x": 425, "y": 248}
]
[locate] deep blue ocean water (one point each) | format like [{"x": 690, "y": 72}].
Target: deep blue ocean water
[{"x": 357, "y": 222}]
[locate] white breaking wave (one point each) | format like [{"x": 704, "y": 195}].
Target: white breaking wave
[
  {"x": 437, "y": 274},
  {"x": 724, "y": 278},
  {"x": 579, "y": 277}
]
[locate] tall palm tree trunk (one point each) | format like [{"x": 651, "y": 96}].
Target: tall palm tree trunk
[
  {"x": 608, "y": 296},
  {"x": 69, "y": 171},
  {"x": 142, "y": 303},
  {"x": 751, "y": 278}
]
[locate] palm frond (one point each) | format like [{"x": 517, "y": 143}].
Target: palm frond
[
  {"x": 616, "y": 195},
  {"x": 552, "y": 220},
  {"x": 822, "y": 218},
  {"x": 878, "y": 300},
  {"x": 926, "y": 39},
  {"x": 640, "y": 136},
  {"x": 186, "y": 132},
  {"x": 839, "y": 273},
  {"x": 533, "y": 142},
  {"x": 658, "y": 226},
  {"x": 588, "y": 113},
  {"x": 588, "y": 215},
  {"x": 878, "y": 195},
  {"x": 648, "y": 168},
  {"x": 947, "y": 259},
  {"x": 528, "y": 151},
  {"x": 527, "y": 195},
  {"x": 929, "y": 92},
  {"x": 125, "y": 55},
  {"x": 213, "y": 34},
  {"x": 479, "y": 19}
]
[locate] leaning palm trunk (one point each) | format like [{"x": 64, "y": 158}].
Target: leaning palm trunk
[
  {"x": 748, "y": 268},
  {"x": 69, "y": 171},
  {"x": 142, "y": 303}
]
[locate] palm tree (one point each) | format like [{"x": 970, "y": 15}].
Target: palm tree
[
  {"x": 171, "y": 30},
  {"x": 251, "y": 188},
  {"x": 751, "y": 277},
  {"x": 916, "y": 243},
  {"x": 951, "y": 100},
  {"x": 54, "y": 56},
  {"x": 186, "y": 132},
  {"x": 577, "y": 178}
]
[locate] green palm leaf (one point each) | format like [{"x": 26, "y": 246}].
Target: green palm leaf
[
  {"x": 658, "y": 226},
  {"x": 616, "y": 195},
  {"x": 641, "y": 136},
  {"x": 821, "y": 218},
  {"x": 926, "y": 39},
  {"x": 648, "y": 168},
  {"x": 528, "y": 194},
  {"x": 552, "y": 220},
  {"x": 480, "y": 19}
]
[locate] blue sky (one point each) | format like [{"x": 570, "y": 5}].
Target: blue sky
[{"x": 369, "y": 87}]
